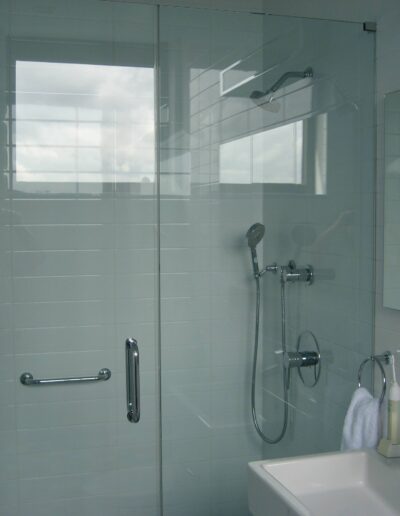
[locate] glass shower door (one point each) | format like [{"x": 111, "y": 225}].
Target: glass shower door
[{"x": 78, "y": 214}]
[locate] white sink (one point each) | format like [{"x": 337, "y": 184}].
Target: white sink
[{"x": 358, "y": 483}]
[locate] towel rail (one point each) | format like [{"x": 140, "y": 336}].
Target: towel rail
[
  {"x": 378, "y": 359},
  {"x": 28, "y": 379}
]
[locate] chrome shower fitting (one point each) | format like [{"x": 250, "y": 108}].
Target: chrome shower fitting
[
  {"x": 290, "y": 273},
  {"x": 308, "y": 72},
  {"x": 269, "y": 268},
  {"x": 300, "y": 359},
  {"x": 254, "y": 236}
]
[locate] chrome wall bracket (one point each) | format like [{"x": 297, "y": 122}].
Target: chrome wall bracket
[{"x": 274, "y": 267}]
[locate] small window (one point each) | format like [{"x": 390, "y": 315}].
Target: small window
[{"x": 274, "y": 156}]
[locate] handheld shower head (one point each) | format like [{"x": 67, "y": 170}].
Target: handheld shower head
[{"x": 254, "y": 236}]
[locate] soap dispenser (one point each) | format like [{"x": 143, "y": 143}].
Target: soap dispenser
[{"x": 390, "y": 447}]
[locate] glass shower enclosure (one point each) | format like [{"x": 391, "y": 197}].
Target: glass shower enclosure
[{"x": 134, "y": 159}]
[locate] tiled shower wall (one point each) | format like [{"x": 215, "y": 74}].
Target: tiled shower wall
[
  {"x": 388, "y": 80},
  {"x": 329, "y": 224},
  {"x": 86, "y": 262},
  {"x": 326, "y": 220},
  {"x": 206, "y": 285}
]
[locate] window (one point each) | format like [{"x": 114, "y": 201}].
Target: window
[
  {"x": 274, "y": 156},
  {"x": 83, "y": 123}
]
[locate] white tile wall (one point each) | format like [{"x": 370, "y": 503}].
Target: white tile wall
[
  {"x": 338, "y": 308},
  {"x": 387, "y": 320},
  {"x": 79, "y": 271},
  {"x": 206, "y": 272},
  {"x": 325, "y": 231}
]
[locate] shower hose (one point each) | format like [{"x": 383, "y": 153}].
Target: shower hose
[{"x": 285, "y": 372}]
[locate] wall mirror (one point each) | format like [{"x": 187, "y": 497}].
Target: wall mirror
[{"x": 391, "y": 280}]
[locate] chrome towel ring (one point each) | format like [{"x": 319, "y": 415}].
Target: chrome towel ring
[{"x": 378, "y": 359}]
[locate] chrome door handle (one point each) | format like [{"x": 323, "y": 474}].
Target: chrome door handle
[{"x": 132, "y": 380}]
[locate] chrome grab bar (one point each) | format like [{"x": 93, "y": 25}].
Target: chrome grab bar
[
  {"x": 27, "y": 379},
  {"x": 132, "y": 380}
]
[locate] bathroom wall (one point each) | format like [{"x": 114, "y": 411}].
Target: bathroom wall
[
  {"x": 213, "y": 146},
  {"x": 354, "y": 10},
  {"x": 207, "y": 310},
  {"x": 385, "y": 13},
  {"x": 341, "y": 10},
  {"x": 226, "y": 5},
  {"x": 327, "y": 221},
  {"x": 387, "y": 331},
  {"x": 193, "y": 239}
]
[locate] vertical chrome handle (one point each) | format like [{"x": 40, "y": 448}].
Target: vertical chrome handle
[{"x": 132, "y": 380}]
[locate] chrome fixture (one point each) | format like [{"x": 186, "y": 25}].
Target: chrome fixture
[
  {"x": 300, "y": 359},
  {"x": 290, "y": 273},
  {"x": 132, "y": 380},
  {"x": 269, "y": 268},
  {"x": 308, "y": 72},
  {"x": 312, "y": 358},
  {"x": 28, "y": 379},
  {"x": 377, "y": 359},
  {"x": 254, "y": 236}
]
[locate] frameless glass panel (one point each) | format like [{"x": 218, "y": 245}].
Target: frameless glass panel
[
  {"x": 80, "y": 259},
  {"x": 206, "y": 310},
  {"x": 78, "y": 211},
  {"x": 299, "y": 161},
  {"x": 326, "y": 222}
]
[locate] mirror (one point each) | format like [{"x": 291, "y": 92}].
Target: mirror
[{"x": 391, "y": 279}]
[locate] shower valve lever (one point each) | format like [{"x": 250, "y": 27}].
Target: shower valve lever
[
  {"x": 290, "y": 273},
  {"x": 301, "y": 359}
]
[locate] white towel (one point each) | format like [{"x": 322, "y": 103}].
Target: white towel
[{"x": 361, "y": 427}]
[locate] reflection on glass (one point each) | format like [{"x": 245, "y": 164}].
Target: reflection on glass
[
  {"x": 321, "y": 154},
  {"x": 274, "y": 156},
  {"x": 391, "y": 279},
  {"x": 79, "y": 123},
  {"x": 232, "y": 77}
]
